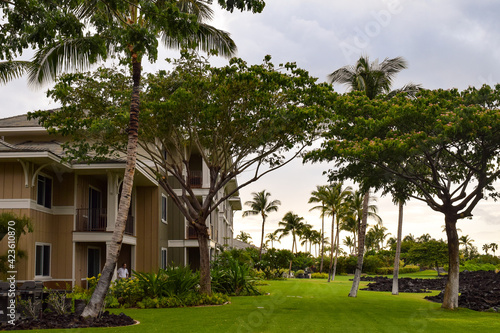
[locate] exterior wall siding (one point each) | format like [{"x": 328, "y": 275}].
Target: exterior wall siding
[{"x": 147, "y": 221}]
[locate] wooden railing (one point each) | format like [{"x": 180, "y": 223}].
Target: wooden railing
[{"x": 97, "y": 220}]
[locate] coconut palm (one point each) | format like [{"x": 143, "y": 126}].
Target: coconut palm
[
  {"x": 424, "y": 238},
  {"x": 319, "y": 196},
  {"x": 261, "y": 205},
  {"x": 350, "y": 243},
  {"x": 486, "y": 247},
  {"x": 373, "y": 79},
  {"x": 244, "y": 237},
  {"x": 380, "y": 236},
  {"x": 305, "y": 235},
  {"x": 316, "y": 239},
  {"x": 409, "y": 238},
  {"x": 494, "y": 247},
  {"x": 291, "y": 224},
  {"x": 466, "y": 241},
  {"x": 272, "y": 237},
  {"x": 335, "y": 206}
]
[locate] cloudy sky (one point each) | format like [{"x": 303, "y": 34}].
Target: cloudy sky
[{"x": 447, "y": 43}]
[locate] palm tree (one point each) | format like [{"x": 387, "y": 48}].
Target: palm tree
[
  {"x": 335, "y": 206},
  {"x": 494, "y": 247},
  {"x": 319, "y": 196},
  {"x": 409, "y": 238},
  {"x": 373, "y": 79},
  {"x": 466, "y": 241},
  {"x": 244, "y": 237},
  {"x": 380, "y": 236},
  {"x": 273, "y": 237},
  {"x": 350, "y": 243},
  {"x": 291, "y": 224},
  {"x": 305, "y": 235},
  {"x": 316, "y": 239},
  {"x": 260, "y": 205},
  {"x": 486, "y": 247},
  {"x": 424, "y": 238}
]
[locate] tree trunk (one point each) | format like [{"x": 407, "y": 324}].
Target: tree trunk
[
  {"x": 330, "y": 268},
  {"x": 95, "y": 304},
  {"x": 262, "y": 239},
  {"x": 450, "y": 300},
  {"x": 361, "y": 247},
  {"x": 203, "y": 238},
  {"x": 395, "y": 282},
  {"x": 337, "y": 244},
  {"x": 322, "y": 242}
]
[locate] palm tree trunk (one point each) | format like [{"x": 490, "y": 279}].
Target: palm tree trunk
[
  {"x": 395, "y": 281},
  {"x": 361, "y": 247},
  {"x": 337, "y": 242},
  {"x": 450, "y": 300},
  {"x": 322, "y": 242},
  {"x": 95, "y": 304},
  {"x": 330, "y": 269},
  {"x": 262, "y": 238}
]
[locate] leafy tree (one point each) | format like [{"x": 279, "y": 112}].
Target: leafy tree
[
  {"x": 235, "y": 118},
  {"x": 73, "y": 34},
  {"x": 431, "y": 253},
  {"x": 438, "y": 144},
  {"x": 424, "y": 238},
  {"x": 372, "y": 79},
  {"x": 244, "y": 237},
  {"x": 261, "y": 205}
]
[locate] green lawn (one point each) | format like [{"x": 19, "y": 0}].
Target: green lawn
[{"x": 298, "y": 305}]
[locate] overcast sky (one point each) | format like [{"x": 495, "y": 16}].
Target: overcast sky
[{"x": 447, "y": 43}]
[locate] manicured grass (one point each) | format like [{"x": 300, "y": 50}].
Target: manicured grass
[{"x": 302, "y": 305}]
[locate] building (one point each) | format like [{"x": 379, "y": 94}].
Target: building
[{"x": 73, "y": 209}]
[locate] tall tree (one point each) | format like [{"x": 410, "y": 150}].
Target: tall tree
[
  {"x": 244, "y": 237},
  {"x": 439, "y": 144},
  {"x": 291, "y": 224},
  {"x": 466, "y": 241},
  {"x": 272, "y": 237},
  {"x": 233, "y": 118},
  {"x": 486, "y": 248},
  {"x": 493, "y": 247},
  {"x": 372, "y": 79},
  {"x": 72, "y": 35},
  {"x": 395, "y": 277},
  {"x": 319, "y": 196},
  {"x": 261, "y": 205}
]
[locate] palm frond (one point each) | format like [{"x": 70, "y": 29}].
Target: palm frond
[
  {"x": 10, "y": 70},
  {"x": 207, "y": 38},
  {"x": 68, "y": 55},
  {"x": 199, "y": 8}
]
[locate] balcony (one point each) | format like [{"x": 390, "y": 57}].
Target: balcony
[
  {"x": 93, "y": 220},
  {"x": 195, "y": 179},
  {"x": 191, "y": 233}
]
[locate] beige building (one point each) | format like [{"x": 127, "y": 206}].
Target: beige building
[{"x": 73, "y": 209}]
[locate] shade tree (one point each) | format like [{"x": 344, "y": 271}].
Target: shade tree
[
  {"x": 236, "y": 118},
  {"x": 444, "y": 144}
]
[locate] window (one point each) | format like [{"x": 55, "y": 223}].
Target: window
[
  {"x": 163, "y": 262},
  {"x": 44, "y": 191},
  {"x": 42, "y": 260},
  {"x": 163, "y": 208}
]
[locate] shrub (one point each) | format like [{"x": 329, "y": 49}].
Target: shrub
[
  {"x": 319, "y": 276},
  {"x": 233, "y": 278},
  {"x": 180, "y": 281},
  {"x": 371, "y": 264},
  {"x": 153, "y": 284}
]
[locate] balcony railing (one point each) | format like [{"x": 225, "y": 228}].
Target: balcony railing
[
  {"x": 195, "y": 179},
  {"x": 191, "y": 234},
  {"x": 97, "y": 220}
]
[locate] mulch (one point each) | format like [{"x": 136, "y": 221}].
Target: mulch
[{"x": 54, "y": 321}]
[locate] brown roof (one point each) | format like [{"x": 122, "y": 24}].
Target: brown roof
[{"x": 19, "y": 121}]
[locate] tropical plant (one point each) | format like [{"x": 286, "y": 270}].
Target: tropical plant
[
  {"x": 350, "y": 243},
  {"x": 244, "y": 237},
  {"x": 261, "y": 205},
  {"x": 319, "y": 196},
  {"x": 424, "y": 238},
  {"x": 272, "y": 237},
  {"x": 486, "y": 247},
  {"x": 291, "y": 224},
  {"x": 466, "y": 241},
  {"x": 493, "y": 247}
]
